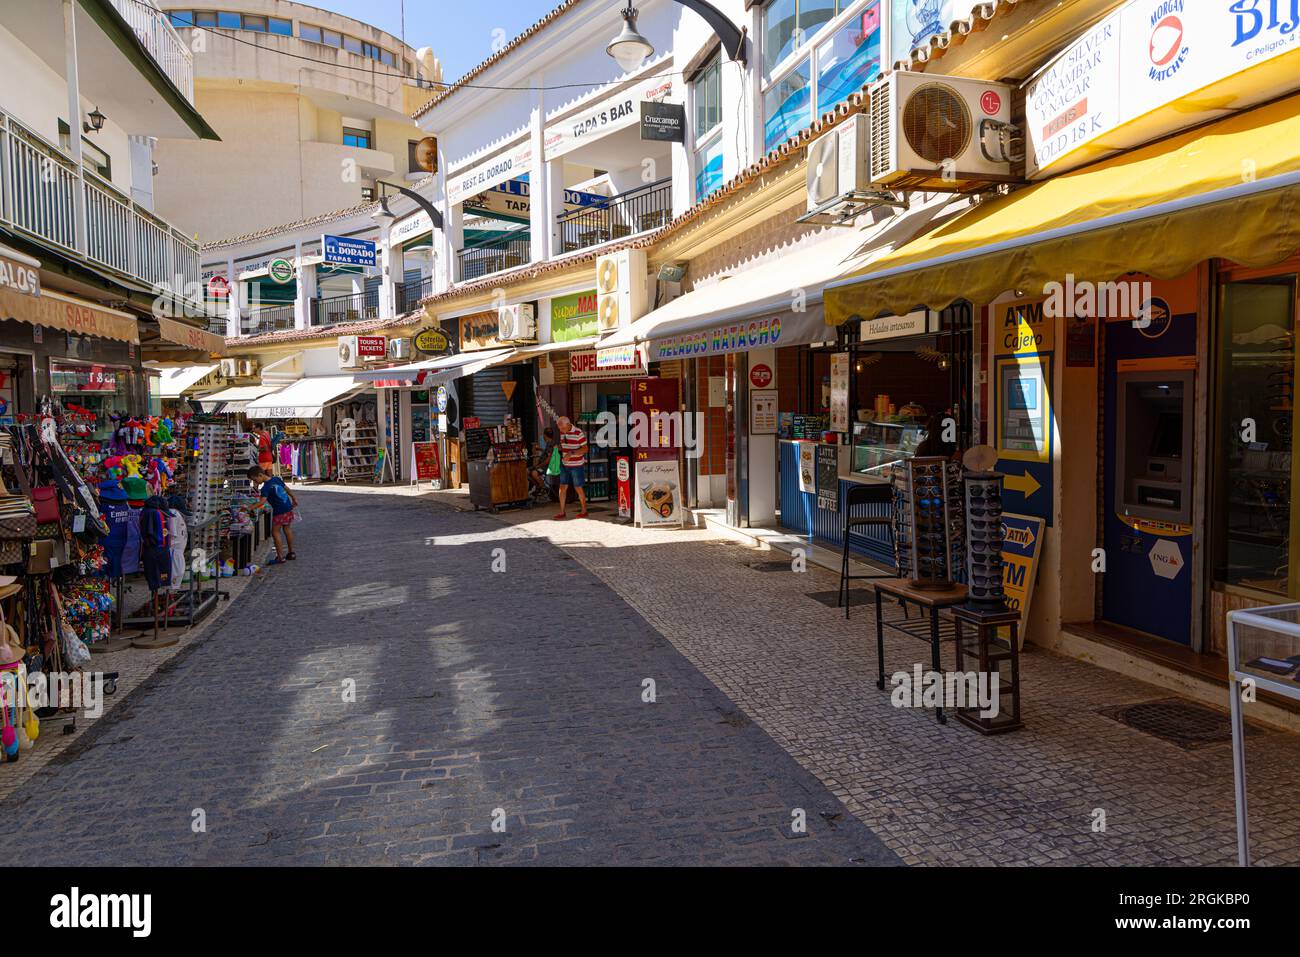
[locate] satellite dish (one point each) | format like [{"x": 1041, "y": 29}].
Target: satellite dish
[{"x": 426, "y": 154}]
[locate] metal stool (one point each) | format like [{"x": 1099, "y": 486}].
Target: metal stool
[{"x": 875, "y": 494}]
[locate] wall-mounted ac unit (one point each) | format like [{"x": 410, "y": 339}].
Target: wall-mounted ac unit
[
  {"x": 348, "y": 358},
  {"x": 248, "y": 367},
  {"x": 400, "y": 349},
  {"x": 941, "y": 133},
  {"x": 839, "y": 164},
  {"x": 230, "y": 368},
  {"x": 517, "y": 322},
  {"x": 620, "y": 289}
]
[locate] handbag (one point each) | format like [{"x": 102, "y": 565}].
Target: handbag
[
  {"x": 46, "y": 500},
  {"x": 554, "y": 467}
]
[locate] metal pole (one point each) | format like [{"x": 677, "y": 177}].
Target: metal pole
[
  {"x": 74, "y": 124},
  {"x": 1239, "y": 775}
]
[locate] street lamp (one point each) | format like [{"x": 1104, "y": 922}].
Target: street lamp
[{"x": 630, "y": 49}]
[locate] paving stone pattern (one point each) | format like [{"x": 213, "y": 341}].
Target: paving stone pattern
[{"x": 474, "y": 691}]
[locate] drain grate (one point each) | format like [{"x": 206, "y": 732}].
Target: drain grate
[
  {"x": 1181, "y": 723},
  {"x": 769, "y": 566}
]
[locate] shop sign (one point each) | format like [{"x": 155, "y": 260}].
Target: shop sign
[
  {"x": 760, "y": 375},
  {"x": 1166, "y": 558},
  {"x": 828, "y": 477},
  {"x": 738, "y": 337},
  {"x": 509, "y": 165},
  {"x": 623, "y": 476},
  {"x": 187, "y": 335},
  {"x": 656, "y": 400},
  {"x": 425, "y": 466},
  {"x": 1026, "y": 329},
  {"x": 372, "y": 347},
  {"x": 479, "y": 331},
  {"x": 1145, "y": 56},
  {"x": 896, "y": 327},
  {"x": 916, "y": 21},
  {"x": 442, "y": 399},
  {"x": 663, "y": 122},
  {"x": 615, "y": 112},
  {"x": 218, "y": 287},
  {"x": 512, "y": 198},
  {"x": 77, "y": 378},
  {"x": 582, "y": 365},
  {"x": 432, "y": 342},
  {"x": 345, "y": 251},
  {"x": 1022, "y": 544},
  {"x": 658, "y": 494},
  {"x": 19, "y": 277},
  {"x": 617, "y": 357},
  {"x": 280, "y": 271},
  {"x": 762, "y": 411},
  {"x": 409, "y": 228},
  {"x": 68, "y": 315},
  {"x": 573, "y": 316}
]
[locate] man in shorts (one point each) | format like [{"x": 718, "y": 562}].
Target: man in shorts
[{"x": 573, "y": 464}]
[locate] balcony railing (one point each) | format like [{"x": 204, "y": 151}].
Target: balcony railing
[
  {"x": 162, "y": 41},
  {"x": 354, "y": 308},
  {"x": 411, "y": 294},
  {"x": 636, "y": 211},
  {"x": 38, "y": 190},
  {"x": 477, "y": 261},
  {"x": 268, "y": 319}
]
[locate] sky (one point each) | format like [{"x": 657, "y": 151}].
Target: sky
[{"x": 461, "y": 32}]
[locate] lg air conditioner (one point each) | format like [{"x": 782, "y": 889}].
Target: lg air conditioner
[
  {"x": 230, "y": 368},
  {"x": 348, "y": 358},
  {"x": 400, "y": 348},
  {"x": 941, "y": 133},
  {"x": 248, "y": 367},
  {"x": 517, "y": 322},
  {"x": 620, "y": 289},
  {"x": 839, "y": 164}
]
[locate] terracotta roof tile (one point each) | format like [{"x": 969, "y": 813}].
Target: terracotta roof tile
[{"x": 319, "y": 332}]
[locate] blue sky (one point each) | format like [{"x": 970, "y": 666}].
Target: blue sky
[{"x": 461, "y": 32}]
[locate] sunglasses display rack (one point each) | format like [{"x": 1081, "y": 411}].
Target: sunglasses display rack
[
  {"x": 984, "y": 538},
  {"x": 929, "y": 523},
  {"x": 208, "y": 450}
]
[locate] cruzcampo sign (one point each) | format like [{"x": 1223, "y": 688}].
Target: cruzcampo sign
[{"x": 573, "y": 316}]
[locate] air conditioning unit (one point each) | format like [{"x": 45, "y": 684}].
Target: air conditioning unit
[
  {"x": 620, "y": 289},
  {"x": 348, "y": 358},
  {"x": 248, "y": 367},
  {"x": 400, "y": 348},
  {"x": 839, "y": 164},
  {"x": 517, "y": 322},
  {"x": 230, "y": 368},
  {"x": 941, "y": 133}
]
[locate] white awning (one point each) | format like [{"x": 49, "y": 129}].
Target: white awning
[
  {"x": 755, "y": 307},
  {"x": 419, "y": 373},
  {"x": 233, "y": 399},
  {"x": 176, "y": 380},
  {"x": 304, "y": 399}
]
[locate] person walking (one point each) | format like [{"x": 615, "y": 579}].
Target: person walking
[{"x": 573, "y": 464}]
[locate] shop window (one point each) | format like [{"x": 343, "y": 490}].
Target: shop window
[
  {"x": 357, "y": 138},
  {"x": 1255, "y": 518},
  {"x": 788, "y": 106},
  {"x": 849, "y": 60},
  {"x": 790, "y": 24},
  {"x": 708, "y": 168}
]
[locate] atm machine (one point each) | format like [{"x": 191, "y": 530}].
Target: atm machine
[{"x": 1148, "y": 479}]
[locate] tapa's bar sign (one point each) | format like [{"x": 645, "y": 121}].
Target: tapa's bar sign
[
  {"x": 344, "y": 251},
  {"x": 665, "y": 122},
  {"x": 612, "y": 113}
]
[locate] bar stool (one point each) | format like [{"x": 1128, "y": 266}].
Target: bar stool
[{"x": 874, "y": 494}]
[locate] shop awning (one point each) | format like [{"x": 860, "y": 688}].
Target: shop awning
[
  {"x": 752, "y": 307},
  {"x": 1230, "y": 189},
  {"x": 176, "y": 381},
  {"x": 69, "y": 314},
  {"x": 233, "y": 399},
  {"x": 304, "y": 399},
  {"x": 420, "y": 373},
  {"x": 191, "y": 336}
]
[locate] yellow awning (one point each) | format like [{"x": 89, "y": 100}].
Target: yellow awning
[{"x": 1230, "y": 189}]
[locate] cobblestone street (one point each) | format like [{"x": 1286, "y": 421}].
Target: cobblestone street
[
  {"x": 518, "y": 694},
  {"x": 515, "y": 695}
]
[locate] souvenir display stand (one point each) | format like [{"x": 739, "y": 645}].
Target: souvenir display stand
[
  {"x": 498, "y": 466},
  {"x": 356, "y": 435}
]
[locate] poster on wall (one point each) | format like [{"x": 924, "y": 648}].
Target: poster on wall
[
  {"x": 807, "y": 466},
  {"x": 762, "y": 411},
  {"x": 658, "y": 494},
  {"x": 840, "y": 392}
]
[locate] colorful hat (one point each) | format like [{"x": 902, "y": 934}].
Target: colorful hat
[
  {"x": 137, "y": 489},
  {"x": 110, "y": 491}
]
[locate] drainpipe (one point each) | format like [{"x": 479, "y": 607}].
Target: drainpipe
[{"x": 74, "y": 123}]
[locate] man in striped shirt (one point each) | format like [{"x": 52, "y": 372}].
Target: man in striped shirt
[{"x": 573, "y": 463}]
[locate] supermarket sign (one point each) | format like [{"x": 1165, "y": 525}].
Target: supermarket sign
[
  {"x": 1201, "y": 59},
  {"x": 583, "y": 365}
]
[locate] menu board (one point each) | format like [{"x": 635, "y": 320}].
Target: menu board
[
  {"x": 425, "y": 466},
  {"x": 840, "y": 392},
  {"x": 828, "y": 477},
  {"x": 477, "y": 444}
]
